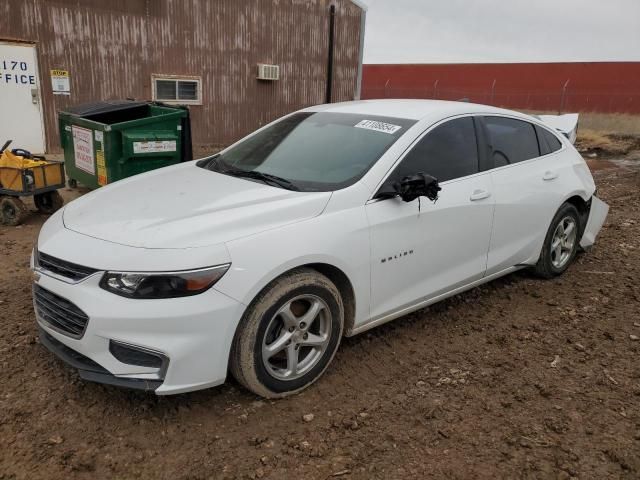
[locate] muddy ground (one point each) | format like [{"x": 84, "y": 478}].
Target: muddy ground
[{"x": 521, "y": 378}]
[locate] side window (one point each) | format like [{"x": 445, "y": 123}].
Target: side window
[
  {"x": 511, "y": 140},
  {"x": 549, "y": 143},
  {"x": 449, "y": 151},
  {"x": 174, "y": 89}
]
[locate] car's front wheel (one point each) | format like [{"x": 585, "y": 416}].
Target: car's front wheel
[
  {"x": 288, "y": 335},
  {"x": 561, "y": 243}
]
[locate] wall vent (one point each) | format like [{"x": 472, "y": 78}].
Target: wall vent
[{"x": 268, "y": 72}]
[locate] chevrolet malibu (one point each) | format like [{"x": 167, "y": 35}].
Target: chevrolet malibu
[{"x": 322, "y": 224}]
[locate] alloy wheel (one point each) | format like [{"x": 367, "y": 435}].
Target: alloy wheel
[
  {"x": 296, "y": 337},
  {"x": 563, "y": 242}
]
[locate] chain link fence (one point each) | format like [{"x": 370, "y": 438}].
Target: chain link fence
[{"x": 564, "y": 99}]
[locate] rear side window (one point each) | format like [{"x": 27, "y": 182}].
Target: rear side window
[
  {"x": 549, "y": 143},
  {"x": 511, "y": 140},
  {"x": 449, "y": 151}
]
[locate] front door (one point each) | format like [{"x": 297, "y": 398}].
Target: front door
[
  {"x": 21, "y": 119},
  {"x": 422, "y": 249}
]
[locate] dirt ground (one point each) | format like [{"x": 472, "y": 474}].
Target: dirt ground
[{"x": 521, "y": 378}]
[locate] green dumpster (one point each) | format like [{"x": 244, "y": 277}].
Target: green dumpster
[{"x": 107, "y": 141}]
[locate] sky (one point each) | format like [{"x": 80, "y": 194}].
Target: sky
[{"x": 471, "y": 31}]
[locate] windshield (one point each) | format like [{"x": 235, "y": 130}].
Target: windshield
[{"x": 312, "y": 151}]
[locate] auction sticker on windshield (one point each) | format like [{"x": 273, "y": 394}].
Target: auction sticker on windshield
[{"x": 378, "y": 126}]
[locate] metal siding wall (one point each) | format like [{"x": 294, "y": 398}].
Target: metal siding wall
[
  {"x": 347, "y": 51},
  {"x": 591, "y": 86},
  {"x": 111, "y": 49}
]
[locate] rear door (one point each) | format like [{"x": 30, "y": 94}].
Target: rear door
[
  {"x": 421, "y": 249},
  {"x": 525, "y": 171}
]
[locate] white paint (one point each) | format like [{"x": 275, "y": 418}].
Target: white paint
[
  {"x": 452, "y": 253},
  {"x": 21, "y": 119},
  {"x": 567, "y": 124},
  {"x": 483, "y": 226},
  {"x": 83, "y": 149},
  {"x": 239, "y": 206},
  {"x": 521, "y": 188},
  {"x": 597, "y": 216}
]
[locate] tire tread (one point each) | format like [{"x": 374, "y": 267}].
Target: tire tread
[
  {"x": 241, "y": 361},
  {"x": 544, "y": 268}
]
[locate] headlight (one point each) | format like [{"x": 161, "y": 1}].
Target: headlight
[{"x": 145, "y": 285}]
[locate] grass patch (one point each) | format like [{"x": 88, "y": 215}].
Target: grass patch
[
  {"x": 606, "y": 134},
  {"x": 610, "y": 123},
  {"x": 603, "y": 123}
]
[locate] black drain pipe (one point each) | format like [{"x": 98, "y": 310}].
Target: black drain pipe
[{"x": 332, "y": 22}]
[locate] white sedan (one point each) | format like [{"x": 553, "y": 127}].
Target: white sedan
[{"x": 325, "y": 223}]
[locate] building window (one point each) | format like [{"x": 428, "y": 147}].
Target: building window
[{"x": 175, "y": 89}]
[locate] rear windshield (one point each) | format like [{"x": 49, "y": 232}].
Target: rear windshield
[{"x": 315, "y": 151}]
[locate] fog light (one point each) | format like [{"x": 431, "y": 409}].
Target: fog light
[{"x": 136, "y": 355}]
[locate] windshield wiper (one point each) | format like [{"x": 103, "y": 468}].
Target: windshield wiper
[
  {"x": 265, "y": 177},
  {"x": 217, "y": 164}
]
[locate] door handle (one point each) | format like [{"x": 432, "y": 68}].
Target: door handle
[
  {"x": 549, "y": 175},
  {"x": 479, "y": 195}
]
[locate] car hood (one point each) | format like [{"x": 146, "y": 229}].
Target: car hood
[{"x": 186, "y": 206}]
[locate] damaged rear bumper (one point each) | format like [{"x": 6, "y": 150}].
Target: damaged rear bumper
[{"x": 597, "y": 215}]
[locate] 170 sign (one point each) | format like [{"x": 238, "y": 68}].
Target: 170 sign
[
  {"x": 13, "y": 65},
  {"x": 18, "y": 77}
]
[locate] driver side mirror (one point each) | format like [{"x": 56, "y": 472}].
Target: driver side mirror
[{"x": 414, "y": 186}]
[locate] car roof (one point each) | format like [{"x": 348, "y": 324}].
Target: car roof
[{"x": 413, "y": 109}]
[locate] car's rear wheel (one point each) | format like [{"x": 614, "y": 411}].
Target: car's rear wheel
[
  {"x": 561, "y": 243},
  {"x": 288, "y": 335}
]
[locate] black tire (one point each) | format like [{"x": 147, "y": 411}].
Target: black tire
[
  {"x": 246, "y": 361},
  {"x": 72, "y": 183},
  {"x": 547, "y": 267},
  {"x": 48, "y": 202},
  {"x": 12, "y": 211}
]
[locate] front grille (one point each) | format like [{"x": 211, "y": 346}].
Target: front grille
[
  {"x": 59, "y": 313},
  {"x": 63, "y": 268}
]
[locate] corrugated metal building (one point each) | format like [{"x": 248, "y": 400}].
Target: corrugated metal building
[
  {"x": 571, "y": 86},
  {"x": 200, "y": 52}
]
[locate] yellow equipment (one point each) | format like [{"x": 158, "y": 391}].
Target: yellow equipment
[
  {"x": 22, "y": 174},
  {"x": 11, "y": 167}
]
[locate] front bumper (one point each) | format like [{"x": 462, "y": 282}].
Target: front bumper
[
  {"x": 192, "y": 334},
  {"x": 90, "y": 370}
]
